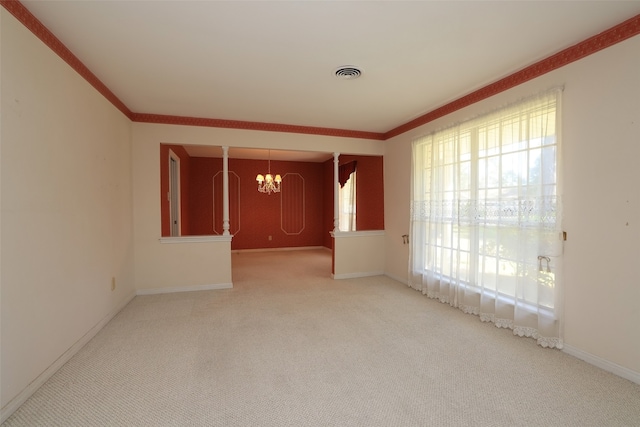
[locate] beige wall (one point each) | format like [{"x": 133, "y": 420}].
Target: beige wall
[
  {"x": 68, "y": 211},
  {"x": 358, "y": 254},
  {"x": 71, "y": 165},
  {"x": 198, "y": 264},
  {"x": 601, "y": 148},
  {"x": 65, "y": 212}
]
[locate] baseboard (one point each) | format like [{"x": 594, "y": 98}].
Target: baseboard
[
  {"x": 22, "y": 397},
  {"x": 292, "y": 248},
  {"x": 357, "y": 275},
  {"x": 397, "y": 279},
  {"x": 171, "y": 290},
  {"x": 601, "y": 363}
]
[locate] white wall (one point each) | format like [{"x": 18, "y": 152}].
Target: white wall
[
  {"x": 200, "y": 264},
  {"x": 66, "y": 186},
  {"x": 601, "y": 148},
  {"x": 358, "y": 254},
  {"x": 66, "y": 212}
]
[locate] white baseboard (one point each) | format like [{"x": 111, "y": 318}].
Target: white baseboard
[
  {"x": 397, "y": 279},
  {"x": 601, "y": 363},
  {"x": 291, "y": 248},
  {"x": 357, "y": 275},
  {"x": 22, "y": 397},
  {"x": 171, "y": 290}
]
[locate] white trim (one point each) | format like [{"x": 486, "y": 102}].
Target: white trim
[
  {"x": 178, "y": 195},
  {"x": 356, "y": 275},
  {"x": 22, "y": 397},
  {"x": 397, "y": 279},
  {"x": 195, "y": 239},
  {"x": 292, "y": 248},
  {"x": 362, "y": 233},
  {"x": 213, "y": 191},
  {"x": 303, "y": 206},
  {"x": 175, "y": 289},
  {"x": 601, "y": 363}
]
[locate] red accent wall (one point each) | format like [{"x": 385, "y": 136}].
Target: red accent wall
[
  {"x": 255, "y": 216},
  {"x": 206, "y": 210},
  {"x": 369, "y": 194},
  {"x": 369, "y": 191},
  {"x": 185, "y": 161},
  {"x": 201, "y": 201},
  {"x": 260, "y": 215}
]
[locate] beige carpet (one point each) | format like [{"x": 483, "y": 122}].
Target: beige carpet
[{"x": 288, "y": 346}]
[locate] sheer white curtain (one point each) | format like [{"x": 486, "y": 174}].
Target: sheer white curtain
[
  {"x": 348, "y": 204},
  {"x": 486, "y": 217}
]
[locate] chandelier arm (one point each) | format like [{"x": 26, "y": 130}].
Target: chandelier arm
[{"x": 267, "y": 184}]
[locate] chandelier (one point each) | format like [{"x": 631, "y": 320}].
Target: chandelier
[{"x": 268, "y": 184}]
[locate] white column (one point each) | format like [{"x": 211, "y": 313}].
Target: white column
[
  {"x": 336, "y": 193},
  {"x": 225, "y": 191}
]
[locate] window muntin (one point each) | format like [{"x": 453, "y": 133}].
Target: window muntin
[{"x": 488, "y": 184}]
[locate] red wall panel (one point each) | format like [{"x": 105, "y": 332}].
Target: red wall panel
[
  {"x": 260, "y": 215},
  {"x": 302, "y": 215},
  {"x": 206, "y": 197},
  {"x": 202, "y": 172},
  {"x": 292, "y": 204},
  {"x": 369, "y": 194},
  {"x": 369, "y": 191}
]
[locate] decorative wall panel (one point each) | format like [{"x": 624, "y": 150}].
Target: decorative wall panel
[
  {"x": 256, "y": 219},
  {"x": 292, "y": 212}
]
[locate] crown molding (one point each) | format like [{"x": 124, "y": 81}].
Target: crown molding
[
  {"x": 33, "y": 24},
  {"x": 605, "y": 39},
  {"x": 256, "y": 126}
]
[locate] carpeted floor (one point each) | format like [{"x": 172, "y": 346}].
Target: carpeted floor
[{"x": 288, "y": 346}]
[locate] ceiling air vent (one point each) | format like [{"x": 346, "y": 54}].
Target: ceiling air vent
[{"x": 348, "y": 72}]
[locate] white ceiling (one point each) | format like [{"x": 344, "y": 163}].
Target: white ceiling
[{"x": 273, "y": 61}]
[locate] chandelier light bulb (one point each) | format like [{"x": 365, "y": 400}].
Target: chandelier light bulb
[{"x": 267, "y": 183}]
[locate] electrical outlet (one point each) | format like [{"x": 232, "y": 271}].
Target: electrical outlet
[
  {"x": 270, "y": 238},
  {"x": 113, "y": 283}
]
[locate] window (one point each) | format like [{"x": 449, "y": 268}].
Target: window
[
  {"x": 174, "y": 193},
  {"x": 485, "y": 215},
  {"x": 347, "y": 204}
]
